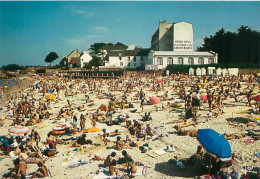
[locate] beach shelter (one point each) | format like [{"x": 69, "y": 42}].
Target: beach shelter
[
  {"x": 155, "y": 100},
  {"x": 224, "y": 72},
  {"x": 256, "y": 98},
  {"x": 219, "y": 71},
  {"x": 51, "y": 96},
  {"x": 214, "y": 143},
  {"x": 203, "y": 71},
  {"x": 92, "y": 129},
  {"x": 18, "y": 130},
  {"x": 198, "y": 71},
  {"x": 191, "y": 71}
]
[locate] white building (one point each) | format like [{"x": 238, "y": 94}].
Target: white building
[
  {"x": 131, "y": 58},
  {"x": 173, "y": 37},
  {"x": 164, "y": 58},
  {"x": 173, "y": 44},
  {"x": 84, "y": 59}
]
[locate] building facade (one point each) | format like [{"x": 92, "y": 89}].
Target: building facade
[
  {"x": 131, "y": 58},
  {"x": 173, "y": 37},
  {"x": 162, "y": 59},
  {"x": 173, "y": 44},
  {"x": 76, "y": 59},
  {"x": 84, "y": 59}
]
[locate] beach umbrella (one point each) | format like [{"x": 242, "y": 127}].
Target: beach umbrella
[
  {"x": 155, "y": 100},
  {"x": 256, "y": 98},
  {"x": 92, "y": 129},
  {"x": 203, "y": 97},
  {"x": 214, "y": 143},
  {"x": 211, "y": 75},
  {"x": 51, "y": 96},
  {"x": 159, "y": 81},
  {"x": 19, "y": 130}
]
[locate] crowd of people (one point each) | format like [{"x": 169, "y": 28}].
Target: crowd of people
[{"x": 34, "y": 107}]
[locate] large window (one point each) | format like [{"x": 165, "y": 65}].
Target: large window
[
  {"x": 159, "y": 61},
  {"x": 211, "y": 60},
  {"x": 190, "y": 61},
  {"x": 201, "y": 61},
  {"x": 180, "y": 61},
  {"x": 170, "y": 61}
]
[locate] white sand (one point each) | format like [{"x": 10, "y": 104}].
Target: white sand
[{"x": 160, "y": 168}]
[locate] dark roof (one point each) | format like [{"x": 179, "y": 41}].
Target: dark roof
[
  {"x": 136, "y": 52},
  {"x": 74, "y": 60},
  {"x": 117, "y": 53}
]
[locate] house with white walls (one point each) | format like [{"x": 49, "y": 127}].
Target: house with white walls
[
  {"x": 131, "y": 58},
  {"x": 76, "y": 59},
  {"x": 84, "y": 59}
]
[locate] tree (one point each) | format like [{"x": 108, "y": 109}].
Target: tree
[
  {"x": 51, "y": 57},
  {"x": 94, "y": 62},
  {"x": 241, "y": 47},
  {"x": 13, "y": 67}
]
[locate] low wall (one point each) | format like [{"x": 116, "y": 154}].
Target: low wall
[
  {"x": 143, "y": 73},
  {"x": 248, "y": 71}
]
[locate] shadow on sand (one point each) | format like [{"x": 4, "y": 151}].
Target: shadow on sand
[
  {"x": 238, "y": 120},
  {"x": 173, "y": 171}
]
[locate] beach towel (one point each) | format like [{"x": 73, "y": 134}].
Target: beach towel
[
  {"x": 258, "y": 154},
  {"x": 104, "y": 175},
  {"x": 77, "y": 164},
  {"x": 161, "y": 151}
]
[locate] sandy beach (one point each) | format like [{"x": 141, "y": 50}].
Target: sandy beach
[{"x": 78, "y": 162}]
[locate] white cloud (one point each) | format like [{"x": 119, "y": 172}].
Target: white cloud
[
  {"x": 80, "y": 42},
  {"x": 88, "y": 14},
  {"x": 84, "y": 12},
  {"x": 101, "y": 29}
]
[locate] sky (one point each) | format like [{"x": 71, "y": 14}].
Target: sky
[{"x": 31, "y": 30}]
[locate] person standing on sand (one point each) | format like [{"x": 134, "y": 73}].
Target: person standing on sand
[
  {"x": 74, "y": 124},
  {"x": 82, "y": 122}
]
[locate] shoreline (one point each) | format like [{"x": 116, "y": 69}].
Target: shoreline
[{"x": 14, "y": 90}]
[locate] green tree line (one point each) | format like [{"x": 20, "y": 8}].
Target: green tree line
[{"x": 242, "y": 46}]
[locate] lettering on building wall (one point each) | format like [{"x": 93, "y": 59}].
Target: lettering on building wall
[{"x": 180, "y": 44}]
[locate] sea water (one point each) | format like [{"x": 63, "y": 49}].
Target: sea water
[{"x": 9, "y": 82}]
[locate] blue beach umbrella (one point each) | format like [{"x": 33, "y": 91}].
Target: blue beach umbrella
[{"x": 214, "y": 143}]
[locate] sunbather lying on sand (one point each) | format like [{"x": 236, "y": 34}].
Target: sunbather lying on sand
[{"x": 233, "y": 136}]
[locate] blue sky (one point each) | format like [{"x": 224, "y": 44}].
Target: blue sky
[{"x": 30, "y": 30}]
